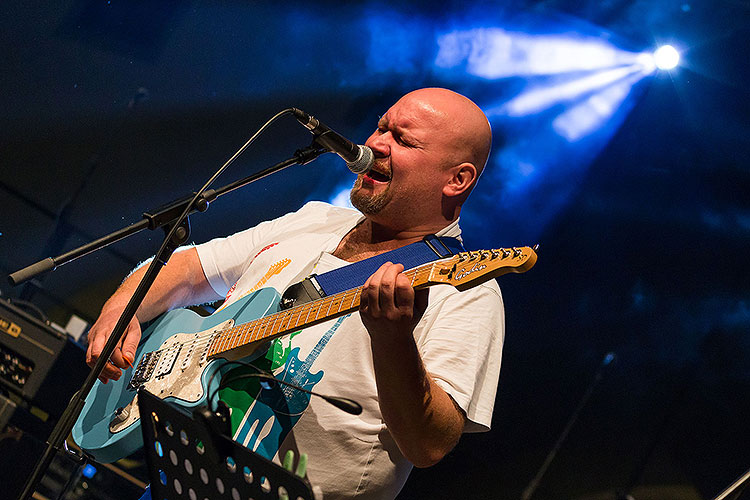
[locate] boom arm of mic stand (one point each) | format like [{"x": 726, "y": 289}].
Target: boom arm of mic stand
[
  {"x": 159, "y": 217},
  {"x": 175, "y": 237}
]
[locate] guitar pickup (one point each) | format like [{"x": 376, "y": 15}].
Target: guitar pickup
[{"x": 167, "y": 360}]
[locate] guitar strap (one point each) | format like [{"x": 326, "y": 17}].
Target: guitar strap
[{"x": 353, "y": 275}]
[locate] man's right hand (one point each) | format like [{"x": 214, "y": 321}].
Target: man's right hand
[
  {"x": 124, "y": 354},
  {"x": 179, "y": 284}
]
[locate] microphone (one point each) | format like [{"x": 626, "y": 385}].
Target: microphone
[{"x": 358, "y": 158}]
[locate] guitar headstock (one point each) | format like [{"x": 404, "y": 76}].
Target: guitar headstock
[{"x": 467, "y": 269}]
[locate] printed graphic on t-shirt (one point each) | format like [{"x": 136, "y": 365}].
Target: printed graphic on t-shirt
[
  {"x": 275, "y": 269},
  {"x": 262, "y": 415}
]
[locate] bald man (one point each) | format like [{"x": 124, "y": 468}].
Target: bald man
[{"x": 424, "y": 367}]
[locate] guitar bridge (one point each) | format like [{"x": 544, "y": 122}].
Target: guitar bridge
[{"x": 144, "y": 370}]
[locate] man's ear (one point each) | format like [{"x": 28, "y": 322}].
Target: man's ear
[{"x": 462, "y": 179}]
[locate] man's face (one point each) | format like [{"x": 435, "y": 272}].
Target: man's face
[{"x": 410, "y": 153}]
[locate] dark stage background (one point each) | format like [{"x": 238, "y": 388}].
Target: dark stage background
[{"x": 635, "y": 183}]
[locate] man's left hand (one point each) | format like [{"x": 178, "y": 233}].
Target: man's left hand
[{"x": 388, "y": 304}]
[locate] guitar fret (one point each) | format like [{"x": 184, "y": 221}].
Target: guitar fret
[
  {"x": 268, "y": 326},
  {"x": 290, "y": 315},
  {"x": 273, "y": 327},
  {"x": 252, "y": 330},
  {"x": 330, "y": 303},
  {"x": 242, "y": 335},
  {"x": 341, "y": 302},
  {"x": 333, "y": 302},
  {"x": 286, "y": 316},
  {"x": 264, "y": 327},
  {"x": 308, "y": 307},
  {"x": 280, "y": 328},
  {"x": 317, "y": 310},
  {"x": 220, "y": 345}
]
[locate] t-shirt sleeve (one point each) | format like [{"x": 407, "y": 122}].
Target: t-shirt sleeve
[
  {"x": 460, "y": 339},
  {"x": 224, "y": 260}
]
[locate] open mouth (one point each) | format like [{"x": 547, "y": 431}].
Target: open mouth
[{"x": 378, "y": 176}]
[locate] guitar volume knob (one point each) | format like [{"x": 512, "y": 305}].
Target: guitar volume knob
[{"x": 121, "y": 415}]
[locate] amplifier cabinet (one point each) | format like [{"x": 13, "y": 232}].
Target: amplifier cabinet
[{"x": 41, "y": 365}]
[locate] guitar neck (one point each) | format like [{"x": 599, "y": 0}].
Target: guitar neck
[
  {"x": 463, "y": 271},
  {"x": 300, "y": 317}
]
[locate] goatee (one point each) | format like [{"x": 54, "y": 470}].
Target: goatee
[{"x": 368, "y": 204}]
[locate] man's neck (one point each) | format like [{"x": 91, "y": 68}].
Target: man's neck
[{"x": 368, "y": 239}]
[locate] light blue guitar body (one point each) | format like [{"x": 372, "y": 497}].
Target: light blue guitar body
[{"x": 170, "y": 363}]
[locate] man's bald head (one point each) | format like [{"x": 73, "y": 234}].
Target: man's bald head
[
  {"x": 430, "y": 148},
  {"x": 463, "y": 122}
]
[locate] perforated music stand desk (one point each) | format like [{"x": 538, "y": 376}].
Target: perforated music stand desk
[{"x": 187, "y": 460}]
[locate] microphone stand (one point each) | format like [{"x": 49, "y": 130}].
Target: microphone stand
[
  {"x": 173, "y": 217},
  {"x": 531, "y": 488}
]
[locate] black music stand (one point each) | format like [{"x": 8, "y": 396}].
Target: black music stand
[{"x": 189, "y": 460}]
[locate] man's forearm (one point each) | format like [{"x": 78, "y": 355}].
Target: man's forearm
[
  {"x": 421, "y": 416},
  {"x": 180, "y": 283}
]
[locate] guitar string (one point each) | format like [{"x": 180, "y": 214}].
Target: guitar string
[
  {"x": 262, "y": 323},
  {"x": 207, "y": 343},
  {"x": 239, "y": 333}
]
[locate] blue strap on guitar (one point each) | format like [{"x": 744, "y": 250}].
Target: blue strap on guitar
[{"x": 354, "y": 275}]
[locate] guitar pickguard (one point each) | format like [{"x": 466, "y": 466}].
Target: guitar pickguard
[
  {"x": 171, "y": 363},
  {"x": 173, "y": 370}
]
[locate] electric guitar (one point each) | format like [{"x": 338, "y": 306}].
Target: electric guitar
[{"x": 182, "y": 355}]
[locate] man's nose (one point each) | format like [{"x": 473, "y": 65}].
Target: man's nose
[{"x": 380, "y": 144}]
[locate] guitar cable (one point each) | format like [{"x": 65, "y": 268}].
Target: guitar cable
[{"x": 268, "y": 380}]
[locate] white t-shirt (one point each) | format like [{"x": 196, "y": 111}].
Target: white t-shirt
[{"x": 459, "y": 337}]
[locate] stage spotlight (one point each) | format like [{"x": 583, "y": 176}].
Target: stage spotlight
[{"x": 666, "y": 57}]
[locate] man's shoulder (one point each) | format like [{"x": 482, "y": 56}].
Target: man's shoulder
[
  {"x": 326, "y": 213},
  {"x": 486, "y": 294},
  {"x": 315, "y": 206}
]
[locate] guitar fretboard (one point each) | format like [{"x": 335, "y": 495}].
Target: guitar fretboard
[
  {"x": 302, "y": 316},
  {"x": 463, "y": 271}
]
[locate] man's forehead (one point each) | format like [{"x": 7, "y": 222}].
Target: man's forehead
[{"x": 411, "y": 113}]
